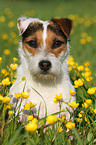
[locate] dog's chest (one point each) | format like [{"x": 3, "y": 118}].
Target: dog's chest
[{"x": 44, "y": 95}]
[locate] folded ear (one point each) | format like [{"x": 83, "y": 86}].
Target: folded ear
[
  {"x": 65, "y": 24},
  {"x": 23, "y": 23}
]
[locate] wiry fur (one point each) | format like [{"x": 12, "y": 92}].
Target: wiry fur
[{"x": 55, "y": 82}]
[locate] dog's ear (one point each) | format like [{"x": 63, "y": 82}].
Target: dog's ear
[
  {"x": 23, "y": 23},
  {"x": 65, "y": 25}
]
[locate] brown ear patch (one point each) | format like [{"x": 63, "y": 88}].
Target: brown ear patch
[
  {"x": 65, "y": 25},
  {"x": 32, "y": 29}
]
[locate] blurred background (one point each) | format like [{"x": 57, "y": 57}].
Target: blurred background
[{"x": 83, "y": 35}]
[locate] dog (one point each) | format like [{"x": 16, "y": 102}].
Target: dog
[{"x": 43, "y": 55}]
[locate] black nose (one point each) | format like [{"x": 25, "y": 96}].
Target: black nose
[{"x": 45, "y": 65}]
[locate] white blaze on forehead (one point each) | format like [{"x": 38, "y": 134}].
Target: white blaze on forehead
[{"x": 45, "y": 24}]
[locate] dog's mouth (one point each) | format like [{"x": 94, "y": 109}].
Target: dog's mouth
[{"x": 45, "y": 76}]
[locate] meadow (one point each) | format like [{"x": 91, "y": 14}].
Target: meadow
[{"x": 81, "y": 128}]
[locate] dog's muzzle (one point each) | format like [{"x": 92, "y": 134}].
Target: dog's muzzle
[{"x": 45, "y": 65}]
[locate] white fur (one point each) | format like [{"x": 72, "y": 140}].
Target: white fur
[
  {"x": 57, "y": 82},
  {"x": 45, "y": 24}
]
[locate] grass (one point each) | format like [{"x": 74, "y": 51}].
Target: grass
[{"x": 82, "y": 49}]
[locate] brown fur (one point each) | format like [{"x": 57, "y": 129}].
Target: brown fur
[
  {"x": 49, "y": 42},
  {"x": 38, "y": 36},
  {"x": 53, "y": 32}
]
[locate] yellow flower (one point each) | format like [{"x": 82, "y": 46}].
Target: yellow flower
[
  {"x": 95, "y": 111},
  {"x": 80, "y": 115},
  {"x": 9, "y": 105},
  {"x": 31, "y": 127},
  {"x": 1, "y": 97},
  {"x": 13, "y": 66},
  {"x": 62, "y": 119},
  {"x": 13, "y": 35},
  {"x": 6, "y": 74},
  {"x": 82, "y": 112},
  {"x": 71, "y": 92},
  {"x": 17, "y": 95},
  {"x": 70, "y": 125},
  {"x": 15, "y": 76},
  {"x": 26, "y": 106},
  {"x": 87, "y": 63},
  {"x": 10, "y": 112},
  {"x": 85, "y": 105},
  {"x": 30, "y": 118},
  {"x": 70, "y": 58},
  {"x": 32, "y": 105},
  {"x": 89, "y": 39},
  {"x": 0, "y": 59},
  {"x": 7, "y": 52},
  {"x": 78, "y": 83},
  {"x": 2, "y": 19},
  {"x": 51, "y": 119},
  {"x": 79, "y": 119},
  {"x": 83, "y": 41},
  {"x": 88, "y": 79},
  {"x": 35, "y": 120},
  {"x": 57, "y": 98},
  {"x": 5, "y": 36},
  {"x": 70, "y": 68},
  {"x": 6, "y": 81},
  {"x": 73, "y": 105},
  {"x": 13, "y": 81},
  {"x": 87, "y": 68},
  {"x": 6, "y": 100},
  {"x": 15, "y": 59},
  {"x": 11, "y": 24},
  {"x": 60, "y": 129},
  {"x": 91, "y": 91},
  {"x": 85, "y": 119},
  {"x": 84, "y": 34},
  {"x": 80, "y": 68},
  {"x": 89, "y": 101},
  {"x": 87, "y": 23},
  {"x": 25, "y": 95},
  {"x": 87, "y": 74},
  {"x": 3, "y": 71},
  {"x": 71, "y": 63}
]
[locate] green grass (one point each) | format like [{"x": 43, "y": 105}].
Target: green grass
[{"x": 12, "y": 131}]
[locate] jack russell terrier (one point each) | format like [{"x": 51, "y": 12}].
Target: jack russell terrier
[{"x": 44, "y": 52}]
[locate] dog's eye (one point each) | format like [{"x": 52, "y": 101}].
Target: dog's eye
[
  {"x": 32, "y": 43},
  {"x": 57, "y": 44}
]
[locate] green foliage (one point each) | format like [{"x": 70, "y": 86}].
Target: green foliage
[{"x": 84, "y": 24}]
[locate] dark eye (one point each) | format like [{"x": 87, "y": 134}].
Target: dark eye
[
  {"x": 57, "y": 43},
  {"x": 32, "y": 43}
]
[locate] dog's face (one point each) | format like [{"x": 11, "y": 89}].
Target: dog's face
[{"x": 45, "y": 45}]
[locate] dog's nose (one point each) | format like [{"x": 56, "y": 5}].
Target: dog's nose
[{"x": 45, "y": 65}]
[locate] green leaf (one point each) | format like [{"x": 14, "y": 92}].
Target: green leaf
[
  {"x": 39, "y": 109},
  {"x": 79, "y": 140},
  {"x": 89, "y": 136},
  {"x": 43, "y": 100},
  {"x": 13, "y": 139}
]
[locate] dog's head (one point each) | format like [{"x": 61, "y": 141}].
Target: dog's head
[{"x": 45, "y": 45}]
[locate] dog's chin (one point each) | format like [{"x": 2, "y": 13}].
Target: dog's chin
[{"x": 42, "y": 76}]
